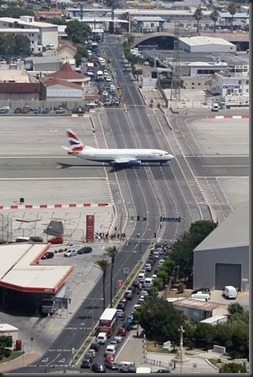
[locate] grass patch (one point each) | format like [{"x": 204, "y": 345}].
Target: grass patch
[
  {"x": 152, "y": 346},
  {"x": 14, "y": 354},
  {"x": 215, "y": 362}
]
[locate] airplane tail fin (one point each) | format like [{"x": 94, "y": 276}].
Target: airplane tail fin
[{"x": 75, "y": 144}]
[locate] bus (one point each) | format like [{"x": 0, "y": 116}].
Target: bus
[{"x": 107, "y": 321}]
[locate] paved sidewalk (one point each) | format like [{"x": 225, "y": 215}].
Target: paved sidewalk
[{"x": 134, "y": 350}]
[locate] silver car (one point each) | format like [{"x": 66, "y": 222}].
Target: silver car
[{"x": 70, "y": 253}]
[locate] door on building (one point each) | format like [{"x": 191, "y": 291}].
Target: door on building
[{"x": 227, "y": 274}]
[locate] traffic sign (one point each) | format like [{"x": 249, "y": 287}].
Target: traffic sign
[
  {"x": 120, "y": 283},
  {"x": 171, "y": 219}
]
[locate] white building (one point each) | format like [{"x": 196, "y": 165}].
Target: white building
[
  {"x": 203, "y": 69},
  {"x": 206, "y": 44},
  {"x": 232, "y": 87},
  {"x": 39, "y": 33}
]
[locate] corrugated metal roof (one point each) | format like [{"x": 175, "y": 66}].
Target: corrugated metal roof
[
  {"x": 20, "y": 269},
  {"x": 196, "y": 304},
  {"x": 232, "y": 232}
]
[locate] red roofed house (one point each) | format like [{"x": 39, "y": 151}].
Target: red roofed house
[{"x": 66, "y": 84}]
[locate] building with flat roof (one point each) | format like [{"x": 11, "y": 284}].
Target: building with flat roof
[
  {"x": 39, "y": 33},
  {"x": 24, "y": 282},
  {"x": 206, "y": 44}
]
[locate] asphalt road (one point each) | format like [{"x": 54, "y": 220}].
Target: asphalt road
[{"x": 170, "y": 190}]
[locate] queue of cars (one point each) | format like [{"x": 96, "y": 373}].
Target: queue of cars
[{"x": 132, "y": 298}]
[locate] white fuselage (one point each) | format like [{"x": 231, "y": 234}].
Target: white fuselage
[{"x": 110, "y": 155}]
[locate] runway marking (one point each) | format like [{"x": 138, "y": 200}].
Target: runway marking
[
  {"x": 225, "y": 166},
  {"x": 42, "y": 206},
  {"x": 221, "y": 176}
]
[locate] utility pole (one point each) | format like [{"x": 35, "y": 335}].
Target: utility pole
[{"x": 175, "y": 79}]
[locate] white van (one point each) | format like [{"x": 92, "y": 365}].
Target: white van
[
  {"x": 111, "y": 349},
  {"x": 141, "y": 277},
  {"x": 230, "y": 292},
  {"x": 215, "y": 106},
  {"x": 126, "y": 363},
  {"x": 22, "y": 239},
  {"x": 148, "y": 282},
  {"x": 101, "y": 338}
]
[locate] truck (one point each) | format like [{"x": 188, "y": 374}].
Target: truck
[
  {"x": 143, "y": 370},
  {"x": 230, "y": 292},
  {"x": 48, "y": 306}
]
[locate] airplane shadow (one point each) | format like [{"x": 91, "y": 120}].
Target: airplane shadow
[{"x": 111, "y": 169}]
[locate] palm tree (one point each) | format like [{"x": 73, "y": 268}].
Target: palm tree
[
  {"x": 198, "y": 15},
  {"x": 214, "y": 17},
  {"x": 232, "y": 10},
  {"x": 103, "y": 264},
  {"x": 111, "y": 252}
]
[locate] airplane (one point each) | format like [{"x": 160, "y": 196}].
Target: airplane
[{"x": 115, "y": 157}]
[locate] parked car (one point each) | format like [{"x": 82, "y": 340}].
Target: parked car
[
  {"x": 148, "y": 267},
  {"x": 120, "y": 313},
  {"x": 84, "y": 250},
  {"x": 94, "y": 345},
  {"x": 4, "y": 110},
  {"x": 70, "y": 253},
  {"x": 118, "y": 338},
  {"x": 56, "y": 240},
  {"x": 129, "y": 294},
  {"x": 60, "y": 110},
  {"x": 122, "y": 331},
  {"x": 48, "y": 255},
  {"x": 36, "y": 239},
  {"x": 109, "y": 357},
  {"x": 163, "y": 371},
  {"x": 112, "y": 365},
  {"x": 202, "y": 289},
  {"x": 92, "y": 352},
  {"x": 45, "y": 110},
  {"x": 87, "y": 361},
  {"x": 98, "y": 368},
  {"x": 127, "y": 369},
  {"x": 121, "y": 305}
]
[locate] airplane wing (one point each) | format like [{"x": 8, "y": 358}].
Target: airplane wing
[{"x": 126, "y": 161}]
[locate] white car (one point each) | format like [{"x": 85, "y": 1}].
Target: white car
[
  {"x": 118, "y": 338},
  {"x": 161, "y": 262},
  {"x": 70, "y": 253}
]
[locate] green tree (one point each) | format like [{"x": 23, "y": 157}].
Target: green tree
[
  {"x": 5, "y": 342},
  {"x": 111, "y": 252},
  {"x": 232, "y": 10},
  {"x": 14, "y": 45},
  {"x": 15, "y": 12},
  {"x": 198, "y": 16},
  {"x": 159, "y": 319},
  {"x": 103, "y": 264},
  {"x": 77, "y": 31},
  {"x": 203, "y": 336},
  {"x": 80, "y": 54},
  {"x": 214, "y": 17},
  {"x": 233, "y": 368}
]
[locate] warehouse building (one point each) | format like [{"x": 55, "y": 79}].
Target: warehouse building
[
  {"x": 222, "y": 258},
  {"x": 206, "y": 44}
]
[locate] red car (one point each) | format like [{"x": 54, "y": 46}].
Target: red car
[
  {"x": 56, "y": 240},
  {"x": 122, "y": 331},
  {"x": 109, "y": 357}
]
